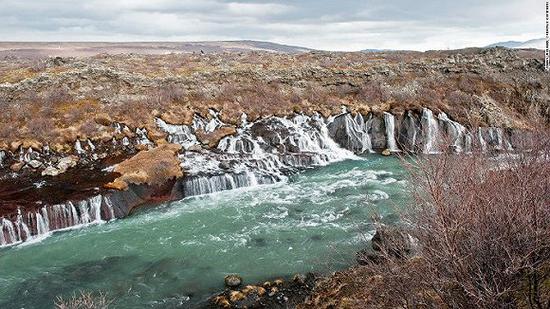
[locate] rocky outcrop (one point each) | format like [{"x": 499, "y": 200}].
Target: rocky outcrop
[
  {"x": 151, "y": 167},
  {"x": 260, "y": 152},
  {"x": 387, "y": 243}
]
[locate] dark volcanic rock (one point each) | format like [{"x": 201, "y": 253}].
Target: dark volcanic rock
[
  {"x": 392, "y": 241},
  {"x": 387, "y": 242},
  {"x": 271, "y": 294},
  {"x": 233, "y": 281}
]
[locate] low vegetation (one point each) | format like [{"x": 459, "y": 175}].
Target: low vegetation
[
  {"x": 56, "y": 101},
  {"x": 481, "y": 230},
  {"x": 84, "y": 300}
]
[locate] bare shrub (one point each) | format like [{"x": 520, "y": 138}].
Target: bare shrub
[
  {"x": 41, "y": 127},
  {"x": 373, "y": 92},
  {"x": 56, "y": 96},
  {"x": 481, "y": 229},
  {"x": 162, "y": 97},
  {"x": 85, "y": 300},
  {"x": 483, "y": 225}
]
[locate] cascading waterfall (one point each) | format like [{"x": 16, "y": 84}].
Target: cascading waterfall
[
  {"x": 199, "y": 185},
  {"x": 52, "y": 218},
  {"x": 457, "y": 133},
  {"x": 8, "y": 232},
  {"x": 261, "y": 152},
  {"x": 431, "y": 132},
  {"x": 351, "y": 132},
  {"x": 178, "y": 134},
  {"x": 481, "y": 140},
  {"x": 42, "y": 224},
  {"x": 408, "y": 133},
  {"x": 389, "y": 121},
  {"x": 23, "y": 231},
  {"x": 2, "y": 158},
  {"x": 266, "y": 151},
  {"x": 497, "y": 140},
  {"x": 272, "y": 147},
  {"x": 78, "y": 147}
]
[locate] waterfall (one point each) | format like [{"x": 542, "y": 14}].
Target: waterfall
[
  {"x": 389, "y": 121},
  {"x": 143, "y": 139},
  {"x": 95, "y": 208},
  {"x": 455, "y": 131},
  {"x": 302, "y": 134},
  {"x": 110, "y": 213},
  {"x": 23, "y": 231},
  {"x": 78, "y": 147},
  {"x": 265, "y": 151},
  {"x": 8, "y": 233},
  {"x": 91, "y": 145},
  {"x": 214, "y": 123},
  {"x": 42, "y": 225},
  {"x": 179, "y": 134},
  {"x": 468, "y": 142},
  {"x": 430, "y": 129},
  {"x": 350, "y": 132},
  {"x": 84, "y": 212},
  {"x": 200, "y": 185},
  {"x": 2, "y": 158},
  {"x": 262, "y": 152},
  {"x": 408, "y": 133},
  {"x": 52, "y": 218},
  {"x": 482, "y": 142}
]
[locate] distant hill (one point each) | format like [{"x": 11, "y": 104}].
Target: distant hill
[
  {"x": 536, "y": 43},
  {"x": 86, "y": 49},
  {"x": 374, "y": 50}
]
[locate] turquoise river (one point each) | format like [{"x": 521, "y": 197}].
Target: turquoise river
[{"x": 176, "y": 255}]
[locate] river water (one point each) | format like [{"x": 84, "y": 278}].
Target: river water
[{"x": 176, "y": 255}]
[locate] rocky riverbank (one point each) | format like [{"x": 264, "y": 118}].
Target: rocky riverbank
[{"x": 316, "y": 291}]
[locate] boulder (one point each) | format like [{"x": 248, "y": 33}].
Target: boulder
[
  {"x": 386, "y": 152},
  {"x": 50, "y": 171},
  {"x": 387, "y": 242},
  {"x": 35, "y": 164},
  {"x": 233, "y": 281},
  {"x": 14, "y": 146},
  {"x": 392, "y": 241},
  {"x": 67, "y": 162},
  {"x": 16, "y": 167}
]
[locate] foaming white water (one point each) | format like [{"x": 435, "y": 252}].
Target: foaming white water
[
  {"x": 179, "y": 134},
  {"x": 431, "y": 132},
  {"x": 261, "y": 153},
  {"x": 327, "y": 217},
  {"x": 389, "y": 120},
  {"x": 461, "y": 140},
  {"x": 48, "y": 219},
  {"x": 377, "y": 195}
]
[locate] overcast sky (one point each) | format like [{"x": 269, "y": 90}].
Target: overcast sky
[{"x": 331, "y": 25}]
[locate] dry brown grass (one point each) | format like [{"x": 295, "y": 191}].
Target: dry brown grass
[
  {"x": 261, "y": 84},
  {"x": 153, "y": 167}
]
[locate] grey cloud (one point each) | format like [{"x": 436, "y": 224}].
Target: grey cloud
[{"x": 337, "y": 25}]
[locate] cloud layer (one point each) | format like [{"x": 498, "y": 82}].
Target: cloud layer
[{"x": 331, "y": 25}]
